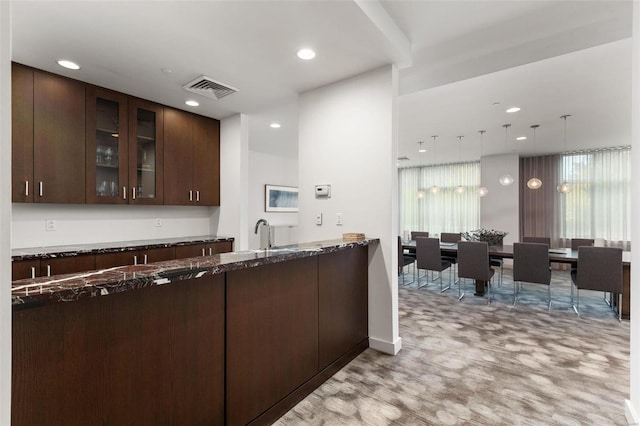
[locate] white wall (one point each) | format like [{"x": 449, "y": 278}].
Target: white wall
[
  {"x": 499, "y": 208},
  {"x": 77, "y": 224},
  {"x": 272, "y": 170},
  {"x": 348, "y": 138},
  {"x": 5, "y": 213},
  {"x": 231, "y": 218},
  {"x": 632, "y": 406}
]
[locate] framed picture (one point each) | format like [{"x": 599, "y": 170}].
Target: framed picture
[{"x": 280, "y": 198}]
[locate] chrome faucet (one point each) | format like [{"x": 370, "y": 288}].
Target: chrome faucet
[
  {"x": 265, "y": 223},
  {"x": 260, "y": 222}
]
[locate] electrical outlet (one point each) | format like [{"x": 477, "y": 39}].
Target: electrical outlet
[
  {"x": 319, "y": 219},
  {"x": 158, "y": 221},
  {"x": 339, "y": 219},
  {"x": 50, "y": 224}
]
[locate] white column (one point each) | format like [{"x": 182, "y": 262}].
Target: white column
[
  {"x": 348, "y": 139},
  {"x": 231, "y": 218},
  {"x": 5, "y": 213},
  {"x": 632, "y": 405}
]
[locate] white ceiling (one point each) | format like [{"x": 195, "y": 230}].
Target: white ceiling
[{"x": 455, "y": 57}]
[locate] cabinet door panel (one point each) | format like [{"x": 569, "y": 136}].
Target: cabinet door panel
[
  {"x": 219, "y": 247},
  {"x": 21, "y": 269},
  {"x": 58, "y": 138},
  {"x": 159, "y": 254},
  {"x": 206, "y": 170},
  {"x": 21, "y": 134},
  {"x": 111, "y": 260},
  {"x": 146, "y": 155},
  {"x": 67, "y": 265},
  {"x": 191, "y": 250},
  {"x": 178, "y": 152},
  {"x": 107, "y": 146}
]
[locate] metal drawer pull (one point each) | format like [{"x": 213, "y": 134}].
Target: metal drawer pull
[
  {"x": 41, "y": 188},
  {"x": 124, "y": 192},
  {"x": 191, "y": 197},
  {"x": 133, "y": 193},
  {"x": 198, "y": 196},
  {"x": 203, "y": 252},
  {"x": 145, "y": 259},
  {"x": 48, "y": 270},
  {"x": 26, "y": 188},
  {"x": 135, "y": 259},
  {"x": 210, "y": 252},
  {"x": 33, "y": 272}
]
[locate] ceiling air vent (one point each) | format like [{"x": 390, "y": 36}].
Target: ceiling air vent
[
  {"x": 403, "y": 158},
  {"x": 210, "y": 88}
]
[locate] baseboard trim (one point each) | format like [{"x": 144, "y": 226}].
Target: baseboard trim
[
  {"x": 630, "y": 413},
  {"x": 391, "y": 348}
]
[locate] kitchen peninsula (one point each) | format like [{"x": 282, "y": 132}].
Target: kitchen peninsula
[{"x": 233, "y": 338}]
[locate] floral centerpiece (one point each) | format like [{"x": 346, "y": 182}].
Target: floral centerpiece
[{"x": 490, "y": 236}]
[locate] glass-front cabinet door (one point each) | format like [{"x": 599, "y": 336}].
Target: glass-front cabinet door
[
  {"x": 145, "y": 152},
  {"x": 107, "y": 146}
]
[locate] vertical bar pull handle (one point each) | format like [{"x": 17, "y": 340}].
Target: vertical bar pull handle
[
  {"x": 198, "y": 196},
  {"x": 124, "y": 192},
  {"x": 133, "y": 192},
  {"x": 203, "y": 252},
  {"x": 41, "y": 189},
  {"x": 210, "y": 252},
  {"x": 191, "y": 197},
  {"x": 33, "y": 272},
  {"x": 48, "y": 270},
  {"x": 145, "y": 259},
  {"x": 135, "y": 259},
  {"x": 26, "y": 188}
]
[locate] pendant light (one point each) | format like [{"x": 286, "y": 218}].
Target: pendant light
[
  {"x": 434, "y": 189},
  {"x": 482, "y": 191},
  {"x": 534, "y": 182},
  {"x": 565, "y": 186},
  {"x": 459, "y": 189},
  {"x": 421, "y": 150},
  {"x": 506, "y": 179}
]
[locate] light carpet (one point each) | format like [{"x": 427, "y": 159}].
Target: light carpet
[{"x": 470, "y": 363}]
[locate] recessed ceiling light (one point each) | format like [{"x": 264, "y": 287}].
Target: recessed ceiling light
[
  {"x": 275, "y": 125},
  {"x": 306, "y": 54},
  {"x": 422, "y": 150},
  {"x": 521, "y": 138},
  {"x": 193, "y": 103},
  {"x": 166, "y": 70},
  {"x": 513, "y": 109},
  {"x": 68, "y": 64}
]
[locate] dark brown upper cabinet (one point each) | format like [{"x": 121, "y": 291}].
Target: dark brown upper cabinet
[
  {"x": 146, "y": 165},
  {"x": 192, "y": 159},
  {"x": 107, "y": 142},
  {"x": 48, "y": 138}
]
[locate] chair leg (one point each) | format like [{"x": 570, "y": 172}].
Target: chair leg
[
  {"x": 448, "y": 286},
  {"x": 576, "y": 307},
  {"x": 515, "y": 293},
  {"x": 620, "y": 307},
  {"x": 460, "y": 296},
  {"x": 549, "y": 309}
]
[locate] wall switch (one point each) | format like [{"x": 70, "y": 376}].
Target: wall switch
[
  {"x": 319, "y": 219},
  {"x": 158, "y": 221},
  {"x": 339, "y": 219},
  {"x": 50, "y": 224}
]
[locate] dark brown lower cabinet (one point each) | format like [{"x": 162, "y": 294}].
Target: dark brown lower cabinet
[
  {"x": 208, "y": 249},
  {"x": 272, "y": 335},
  {"x": 153, "y": 356}
]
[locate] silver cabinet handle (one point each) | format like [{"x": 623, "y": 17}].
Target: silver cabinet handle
[
  {"x": 203, "y": 252},
  {"x": 48, "y": 270},
  {"x": 198, "y": 196},
  {"x": 41, "y": 188},
  {"x": 133, "y": 192},
  {"x": 191, "y": 197},
  {"x": 145, "y": 259},
  {"x": 33, "y": 272},
  {"x": 135, "y": 259},
  {"x": 26, "y": 188},
  {"x": 210, "y": 252},
  {"x": 124, "y": 192}
]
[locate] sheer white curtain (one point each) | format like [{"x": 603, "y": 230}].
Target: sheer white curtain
[
  {"x": 599, "y": 203},
  {"x": 447, "y": 210}
]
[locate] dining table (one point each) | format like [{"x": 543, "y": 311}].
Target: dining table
[{"x": 556, "y": 255}]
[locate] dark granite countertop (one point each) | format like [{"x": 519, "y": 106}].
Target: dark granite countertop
[
  {"x": 113, "y": 247},
  {"x": 29, "y": 293}
]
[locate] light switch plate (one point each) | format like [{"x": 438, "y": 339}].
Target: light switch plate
[
  {"x": 339, "y": 219},
  {"x": 50, "y": 224},
  {"x": 319, "y": 219},
  {"x": 158, "y": 221}
]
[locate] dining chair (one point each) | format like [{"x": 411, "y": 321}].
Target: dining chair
[
  {"x": 539, "y": 240},
  {"x": 428, "y": 258},
  {"x": 531, "y": 264},
  {"x": 416, "y": 234},
  {"x": 451, "y": 237},
  {"x": 473, "y": 263},
  {"x": 600, "y": 269},
  {"x": 404, "y": 260},
  {"x": 579, "y": 242}
]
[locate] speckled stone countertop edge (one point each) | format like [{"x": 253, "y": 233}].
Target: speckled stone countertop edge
[
  {"x": 31, "y": 293},
  {"x": 31, "y": 253}
]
